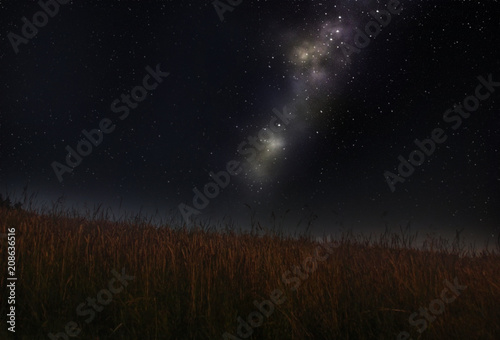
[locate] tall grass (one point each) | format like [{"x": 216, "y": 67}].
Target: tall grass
[{"x": 194, "y": 283}]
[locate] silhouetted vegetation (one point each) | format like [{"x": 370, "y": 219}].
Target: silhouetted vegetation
[{"x": 194, "y": 283}]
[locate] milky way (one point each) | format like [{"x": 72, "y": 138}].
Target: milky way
[
  {"x": 354, "y": 116},
  {"x": 316, "y": 62}
]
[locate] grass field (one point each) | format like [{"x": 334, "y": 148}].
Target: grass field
[{"x": 204, "y": 283}]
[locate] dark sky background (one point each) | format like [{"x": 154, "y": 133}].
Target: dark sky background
[{"x": 352, "y": 119}]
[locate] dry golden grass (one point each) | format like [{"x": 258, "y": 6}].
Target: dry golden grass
[{"x": 193, "y": 284}]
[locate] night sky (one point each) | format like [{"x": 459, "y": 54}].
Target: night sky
[{"x": 345, "y": 104}]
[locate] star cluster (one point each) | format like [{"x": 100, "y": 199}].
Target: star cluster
[{"x": 353, "y": 115}]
